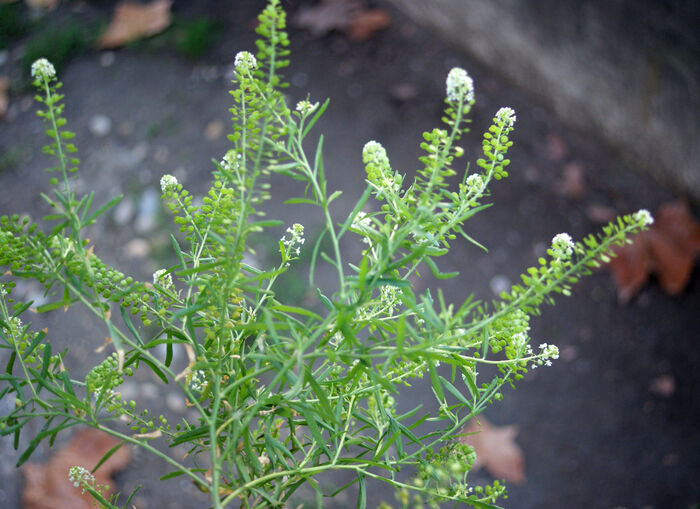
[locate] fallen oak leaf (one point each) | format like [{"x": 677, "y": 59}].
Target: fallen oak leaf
[
  {"x": 668, "y": 250},
  {"x": 326, "y": 16},
  {"x": 132, "y": 21},
  {"x": 47, "y": 485},
  {"x": 365, "y": 23},
  {"x": 495, "y": 449}
]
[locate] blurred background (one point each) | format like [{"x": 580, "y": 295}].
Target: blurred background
[{"x": 606, "y": 95}]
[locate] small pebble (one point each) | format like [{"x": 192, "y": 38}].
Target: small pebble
[
  {"x": 137, "y": 249},
  {"x": 499, "y": 283},
  {"x": 100, "y": 125},
  {"x": 123, "y": 212},
  {"x": 147, "y": 210},
  {"x": 107, "y": 58},
  {"x": 175, "y": 402}
]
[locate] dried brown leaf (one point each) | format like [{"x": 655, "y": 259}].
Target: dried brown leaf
[
  {"x": 668, "y": 250},
  {"x": 495, "y": 449},
  {"x": 132, "y": 21},
  {"x": 326, "y": 16},
  {"x": 572, "y": 183},
  {"x": 47, "y": 485},
  {"x": 366, "y": 23}
]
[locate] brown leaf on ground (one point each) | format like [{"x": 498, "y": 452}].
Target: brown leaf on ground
[
  {"x": 555, "y": 148},
  {"x": 132, "y": 21},
  {"x": 4, "y": 96},
  {"x": 326, "y": 16},
  {"x": 668, "y": 250},
  {"x": 495, "y": 449},
  {"x": 664, "y": 386},
  {"x": 366, "y": 23},
  {"x": 572, "y": 183},
  {"x": 601, "y": 214},
  {"x": 349, "y": 16},
  {"x": 47, "y": 485}
]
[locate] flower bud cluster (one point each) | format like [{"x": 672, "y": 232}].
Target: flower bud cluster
[
  {"x": 644, "y": 217},
  {"x": 306, "y": 107},
  {"x": 460, "y": 86},
  {"x": 378, "y": 169},
  {"x": 43, "y": 70},
  {"x": 562, "y": 246},
  {"x": 105, "y": 377},
  {"x": 245, "y": 62}
]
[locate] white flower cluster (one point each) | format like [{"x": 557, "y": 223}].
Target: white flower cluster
[
  {"x": 198, "y": 381},
  {"x": 388, "y": 297},
  {"x": 292, "y": 245},
  {"x": 245, "y": 61},
  {"x": 81, "y": 477},
  {"x": 644, "y": 217},
  {"x": 507, "y": 116},
  {"x": 43, "y": 69},
  {"x": 459, "y": 85},
  {"x": 474, "y": 183},
  {"x": 361, "y": 222},
  {"x": 547, "y": 353},
  {"x": 161, "y": 278},
  {"x": 232, "y": 160},
  {"x": 562, "y": 246},
  {"x": 306, "y": 108},
  {"x": 168, "y": 183}
]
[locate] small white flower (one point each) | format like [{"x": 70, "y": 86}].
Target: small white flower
[
  {"x": 161, "y": 278},
  {"x": 232, "y": 160},
  {"x": 168, "y": 183},
  {"x": 81, "y": 477},
  {"x": 506, "y": 115},
  {"x": 644, "y": 217},
  {"x": 474, "y": 182},
  {"x": 562, "y": 246},
  {"x": 43, "y": 69},
  {"x": 459, "y": 85},
  {"x": 361, "y": 222},
  {"x": 388, "y": 298},
  {"x": 245, "y": 61},
  {"x": 198, "y": 381},
  {"x": 306, "y": 108},
  {"x": 292, "y": 246}
]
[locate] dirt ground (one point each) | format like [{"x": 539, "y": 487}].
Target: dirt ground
[{"x": 595, "y": 430}]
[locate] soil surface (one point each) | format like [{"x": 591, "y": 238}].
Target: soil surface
[{"x": 595, "y": 430}]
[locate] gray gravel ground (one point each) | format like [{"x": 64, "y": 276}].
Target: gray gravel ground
[{"x": 593, "y": 433}]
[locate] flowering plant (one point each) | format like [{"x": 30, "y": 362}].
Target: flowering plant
[{"x": 285, "y": 393}]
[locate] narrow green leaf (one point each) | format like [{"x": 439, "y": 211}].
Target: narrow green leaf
[
  {"x": 316, "y": 116},
  {"x": 454, "y": 391},
  {"x": 106, "y": 456},
  {"x": 362, "y": 495},
  {"x": 111, "y": 203},
  {"x": 324, "y": 300}
]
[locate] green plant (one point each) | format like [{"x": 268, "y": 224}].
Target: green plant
[
  {"x": 194, "y": 37},
  {"x": 285, "y": 393},
  {"x": 58, "y": 45},
  {"x": 12, "y": 24}
]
